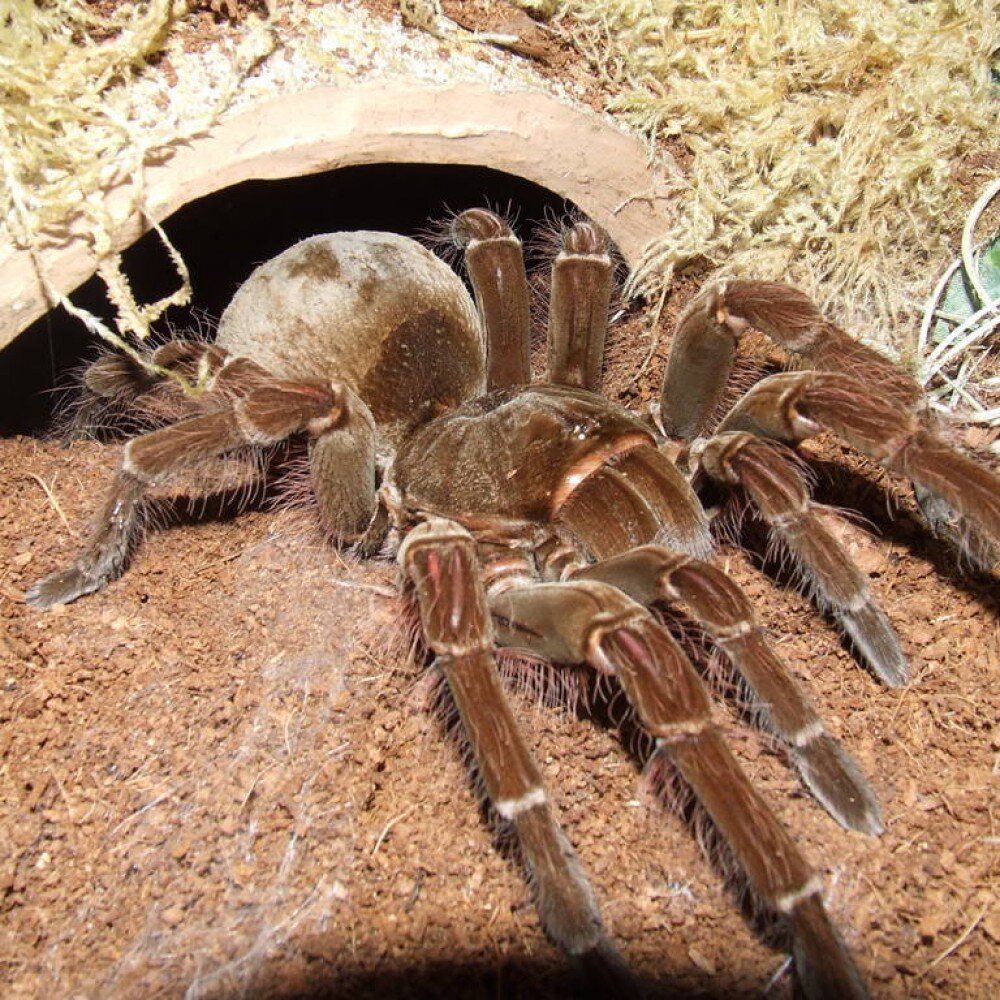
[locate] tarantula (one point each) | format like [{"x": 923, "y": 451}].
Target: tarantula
[{"x": 542, "y": 517}]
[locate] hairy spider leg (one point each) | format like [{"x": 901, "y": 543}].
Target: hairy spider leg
[
  {"x": 343, "y": 473},
  {"x": 122, "y": 379},
  {"x": 581, "y": 284},
  {"x": 253, "y": 410},
  {"x": 439, "y": 558},
  {"x": 582, "y": 278},
  {"x": 960, "y": 500},
  {"x": 772, "y": 478},
  {"x": 612, "y": 516},
  {"x": 702, "y": 353},
  {"x": 703, "y": 350},
  {"x": 594, "y": 623},
  {"x": 652, "y": 573},
  {"x": 637, "y": 497},
  {"x": 793, "y": 406},
  {"x": 495, "y": 264},
  {"x": 141, "y": 392}
]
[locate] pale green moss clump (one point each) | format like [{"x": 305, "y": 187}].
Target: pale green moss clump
[
  {"x": 60, "y": 139},
  {"x": 823, "y": 135}
]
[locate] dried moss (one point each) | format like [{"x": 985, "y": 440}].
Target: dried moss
[
  {"x": 69, "y": 134},
  {"x": 822, "y": 135},
  {"x": 61, "y": 140}
]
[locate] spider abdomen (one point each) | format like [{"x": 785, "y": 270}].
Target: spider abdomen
[{"x": 376, "y": 311}]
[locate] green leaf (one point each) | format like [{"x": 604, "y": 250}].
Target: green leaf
[{"x": 959, "y": 301}]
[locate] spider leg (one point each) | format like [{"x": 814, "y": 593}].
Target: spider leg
[
  {"x": 343, "y": 473},
  {"x": 704, "y": 348},
  {"x": 796, "y": 405},
  {"x": 652, "y": 573},
  {"x": 495, "y": 265},
  {"x": 641, "y": 498},
  {"x": 439, "y": 558},
  {"x": 582, "y": 275},
  {"x": 118, "y": 377},
  {"x": 701, "y": 358},
  {"x": 702, "y": 353},
  {"x": 119, "y": 390},
  {"x": 790, "y": 318},
  {"x": 264, "y": 412},
  {"x": 777, "y": 488},
  {"x": 587, "y": 621}
]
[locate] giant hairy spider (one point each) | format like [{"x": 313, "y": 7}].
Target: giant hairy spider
[{"x": 540, "y": 516}]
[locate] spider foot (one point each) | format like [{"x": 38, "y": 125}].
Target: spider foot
[
  {"x": 99, "y": 564},
  {"x": 832, "y": 775},
  {"x": 823, "y": 966},
  {"x": 875, "y": 641},
  {"x": 963, "y": 535},
  {"x": 105, "y": 555},
  {"x": 495, "y": 265},
  {"x": 66, "y": 585},
  {"x": 117, "y": 375},
  {"x": 779, "y": 492}
]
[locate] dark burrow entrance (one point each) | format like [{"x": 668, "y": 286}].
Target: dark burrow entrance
[{"x": 223, "y": 236}]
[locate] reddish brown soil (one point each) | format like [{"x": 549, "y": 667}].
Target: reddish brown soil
[{"x": 220, "y": 777}]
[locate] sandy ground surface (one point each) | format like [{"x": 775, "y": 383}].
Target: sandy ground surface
[{"x": 219, "y": 777}]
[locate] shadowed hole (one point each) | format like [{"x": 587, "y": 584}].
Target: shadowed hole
[{"x": 223, "y": 236}]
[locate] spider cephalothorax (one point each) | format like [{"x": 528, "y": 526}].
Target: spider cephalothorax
[{"x": 542, "y": 517}]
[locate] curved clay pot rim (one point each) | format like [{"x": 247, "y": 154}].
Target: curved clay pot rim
[{"x": 530, "y": 134}]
